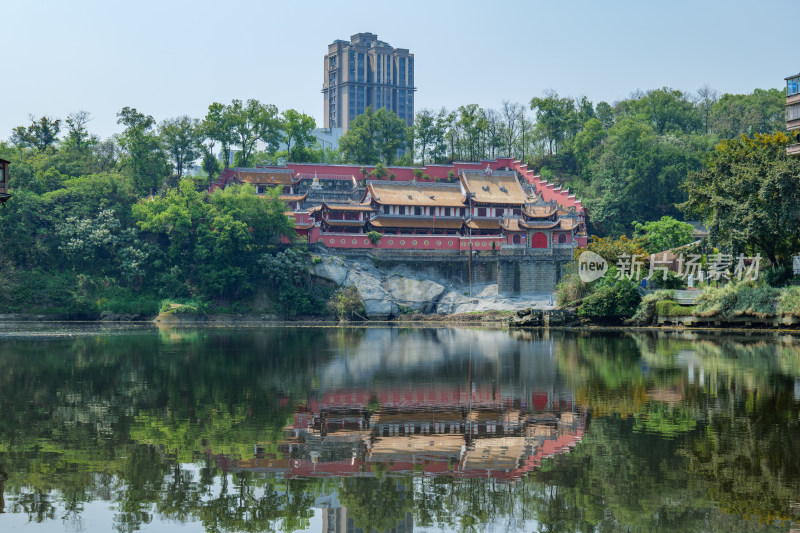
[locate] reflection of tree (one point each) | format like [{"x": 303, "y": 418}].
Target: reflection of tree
[
  {"x": 376, "y": 502},
  {"x": 122, "y": 415},
  {"x": 749, "y": 456}
]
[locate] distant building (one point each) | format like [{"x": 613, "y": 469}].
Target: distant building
[
  {"x": 4, "y": 181},
  {"x": 366, "y": 72},
  {"x": 793, "y": 110},
  {"x": 328, "y": 137}
]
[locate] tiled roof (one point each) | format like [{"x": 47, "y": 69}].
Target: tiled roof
[
  {"x": 416, "y": 194},
  {"x": 569, "y": 223},
  {"x": 416, "y": 222},
  {"x": 277, "y": 176},
  {"x": 496, "y": 188},
  {"x": 349, "y": 223},
  {"x": 511, "y": 224},
  {"x": 293, "y": 197},
  {"x": 484, "y": 223},
  {"x": 539, "y": 211},
  {"x": 349, "y": 207},
  {"x": 539, "y": 224}
]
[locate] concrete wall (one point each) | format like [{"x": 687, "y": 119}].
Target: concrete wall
[{"x": 527, "y": 275}]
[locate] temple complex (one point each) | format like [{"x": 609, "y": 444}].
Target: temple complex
[{"x": 490, "y": 205}]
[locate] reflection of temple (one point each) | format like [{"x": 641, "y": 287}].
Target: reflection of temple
[{"x": 439, "y": 431}]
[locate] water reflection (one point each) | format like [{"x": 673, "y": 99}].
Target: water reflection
[{"x": 335, "y": 429}]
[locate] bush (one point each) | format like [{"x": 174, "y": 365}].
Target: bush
[
  {"x": 374, "y": 237},
  {"x": 672, "y": 308},
  {"x": 346, "y": 303},
  {"x": 617, "y": 299},
  {"x": 571, "y": 290},
  {"x": 737, "y": 300},
  {"x": 777, "y": 276},
  {"x": 315, "y": 260},
  {"x": 647, "y": 311},
  {"x": 789, "y": 302}
]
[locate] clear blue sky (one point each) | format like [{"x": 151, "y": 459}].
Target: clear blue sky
[{"x": 175, "y": 57}]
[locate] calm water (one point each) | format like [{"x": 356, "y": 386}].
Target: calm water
[{"x": 440, "y": 429}]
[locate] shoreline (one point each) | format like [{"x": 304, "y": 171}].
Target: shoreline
[{"x": 489, "y": 319}]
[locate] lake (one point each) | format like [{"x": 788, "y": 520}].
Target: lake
[{"x": 338, "y": 429}]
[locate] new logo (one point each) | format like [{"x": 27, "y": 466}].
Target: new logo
[{"x": 591, "y": 267}]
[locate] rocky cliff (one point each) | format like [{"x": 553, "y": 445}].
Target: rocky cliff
[{"x": 389, "y": 291}]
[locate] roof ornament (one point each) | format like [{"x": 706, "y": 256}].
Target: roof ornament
[
  {"x": 503, "y": 188},
  {"x": 488, "y": 170},
  {"x": 485, "y": 188}
]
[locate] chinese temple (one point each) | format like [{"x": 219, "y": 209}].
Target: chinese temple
[{"x": 490, "y": 205}]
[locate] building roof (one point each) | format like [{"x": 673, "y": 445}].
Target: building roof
[
  {"x": 293, "y": 197},
  {"x": 539, "y": 211},
  {"x": 435, "y": 444},
  {"x": 416, "y": 193},
  {"x": 499, "y": 187},
  {"x": 416, "y": 222},
  {"x": 266, "y": 176},
  {"x": 539, "y": 224},
  {"x": 348, "y": 207},
  {"x": 484, "y": 223},
  {"x": 511, "y": 224},
  {"x": 353, "y": 223}
]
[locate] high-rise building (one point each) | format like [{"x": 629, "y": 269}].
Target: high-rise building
[
  {"x": 366, "y": 72},
  {"x": 793, "y": 110}
]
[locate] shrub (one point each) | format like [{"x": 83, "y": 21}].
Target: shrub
[
  {"x": 315, "y": 260},
  {"x": 617, "y": 299},
  {"x": 647, "y": 310},
  {"x": 346, "y": 303},
  {"x": 374, "y": 237},
  {"x": 789, "y": 302},
  {"x": 737, "y": 300},
  {"x": 672, "y": 308},
  {"x": 571, "y": 290},
  {"x": 777, "y": 276}
]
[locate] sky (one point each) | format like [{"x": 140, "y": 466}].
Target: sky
[{"x": 173, "y": 57}]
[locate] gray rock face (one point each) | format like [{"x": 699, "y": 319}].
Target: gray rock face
[
  {"x": 379, "y": 304},
  {"x": 420, "y": 295},
  {"x": 331, "y": 268},
  {"x": 451, "y": 302}
]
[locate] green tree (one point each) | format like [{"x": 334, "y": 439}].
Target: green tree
[
  {"x": 668, "y": 110},
  {"x": 665, "y": 234},
  {"x": 749, "y": 195},
  {"x": 215, "y": 240},
  {"x": 252, "y": 122},
  {"x": 77, "y": 135},
  {"x": 297, "y": 131},
  {"x": 425, "y": 133},
  {"x": 41, "y": 134},
  {"x": 554, "y": 118},
  {"x": 144, "y": 159},
  {"x": 217, "y": 126},
  {"x": 747, "y": 114},
  {"x": 181, "y": 139},
  {"x": 373, "y": 136}
]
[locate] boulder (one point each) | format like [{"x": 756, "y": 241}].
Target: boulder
[
  {"x": 490, "y": 291},
  {"x": 331, "y": 268},
  {"x": 420, "y": 295},
  {"x": 453, "y": 302},
  {"x": 379, "y": 304}
]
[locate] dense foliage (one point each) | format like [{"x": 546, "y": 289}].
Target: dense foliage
[
  {"x": 122, "y": 209},
  {"x": 85, "y": 234}
]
